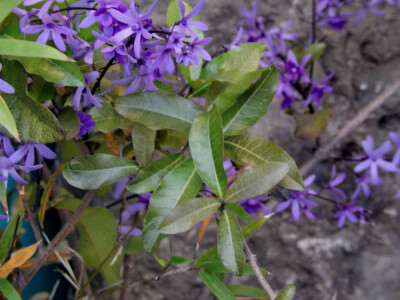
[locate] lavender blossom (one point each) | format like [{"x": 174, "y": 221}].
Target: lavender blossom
[
  {"x": 396, "y": 139},
  {"x": 143, "y": 203},
  {"x": 294, "y": 70},
  {"x": 27, "y": 152},
  {"x": 86, "y": 123},
  {"x": 84, "y": 92},
  {"x": 103, "y": 14},
  {"x": 5, "y": 145},
  {"x": 6, "y": 87},
  {"x": 318, "y": 90},
  {"x": 186, "y": 23},
  {"x": 254, "y": 205},
  {"x": 9, "y": 167},
  {"x": 363, "y": 183},
  {"x": 374, "y": 159},
  {"x": 300, "y": 204},
  {"x": 334, "y": 182},
  {"x": 51, "y": 30},
  {"x": 353, "y": 213}
]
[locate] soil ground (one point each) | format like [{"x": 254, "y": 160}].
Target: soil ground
[{"x": 358, "y": 262}]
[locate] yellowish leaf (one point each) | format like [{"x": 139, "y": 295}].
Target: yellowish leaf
[
  {"x": 111, "y": 143},
  {"x": 17, "y": 259}
]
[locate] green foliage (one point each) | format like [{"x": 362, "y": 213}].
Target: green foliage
[
  {"x": 158, "y": 110},
  {"x": 143, "y": 140},
  {"x": 246, "y": 290},
  {"x": 287, "y": 293},
  {"x": 230, "y": 243},
  {"x": 187, "y": 214},
  {"x": 216, "y": 286},
  {"x": 251, "y": 105},
  {"x": 180, "y": 260},
  {"x": 8, "y": 290},
  {"x": 150, "y": 177},
  {"x": 7, "y": 6},
  {"x": 95, "y": 171},
  {"x": 311, "y": 126},
  {"x": 8, "y": 236},
  {"x": 69, "y": 122},
  {"x": 7, "y": 120},
  {"x": 98, "y": 233},
  {"x": 35, "y": 122},
  {"x": 206, "y": 145},
  {"x": 257, "y": 181},
  {"x": 108, "y": 119},
  {"x": 253, "y": 150},
  {"x": 178, "y": 186}
]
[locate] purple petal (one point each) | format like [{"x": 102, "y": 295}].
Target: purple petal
[
  {"x": 6, "y": 87},
  {"x": 195, "y": 10},
  {"x": 283, "y": 206},
  {"x": 43, "y": 37},
  {"x": 362, "y": 166},
  {"x": 58, "y": 40},
  {"x": 182, "y": 8},
  {"x": 296, "y": 210},
  {"x": 125, "y": 229},
  {"x": 88, "y": 21},
  {"x": 45, "y": 151}
]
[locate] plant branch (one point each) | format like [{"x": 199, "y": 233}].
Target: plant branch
[
  {"x": 261, "y": 279},
  {"x": 98, "y": 81},
  {"x": 355, "y": 122},
  {"x": 67, "y": 228},
  {"x": 30, "y": 216}
]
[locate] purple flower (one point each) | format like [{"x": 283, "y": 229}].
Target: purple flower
[
  {"x": 294, "y": 70},
  {"x": 398, "y": 194},
  {"x": 6, "y": 87},
  {"x": 104, "y": 13},
  {"x": 27, "y": 151},
  {"x": 396, "y": 139},
  {"x": 86, "y": 123},
  {"x": 368, "y": 7},
  {"x": 375, "y": 160},
  {"x": 143, "y": 203},
  {"x": 186, "y": 23},
  {"x": 81, "y": 49},
  {"x": 353, "y": 213},
  {"x": 6, "y": 146},
  {"x": 138, "y": 24},
  {"x": 363, "y": 185},
  {"x": 51, "y": 30},
  {"x": 300, "y": 204},
  {"x": 254, "y": 205},
  {"x": 84, "y": 92},
  {"x": 44, "y": 8},
  {"x": 3, "y": 217},
  {"x": 335, "y": 181},
  {"x": 8, "y": 167},
  {"x": 319, "y": 89}
]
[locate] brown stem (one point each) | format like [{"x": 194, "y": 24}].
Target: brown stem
[
  {"x": 261, "y": 279},
  {"x": 128, "y": 260},
  {"x": 350, "y": 126},
  {"x": 67, "y": 228},
  {"x": 31, "y": 218}
]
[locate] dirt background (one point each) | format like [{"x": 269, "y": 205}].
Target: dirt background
[{"x": 358, "y": 262}]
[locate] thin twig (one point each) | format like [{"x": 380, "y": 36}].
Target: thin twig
[
  {"x": 30, "y": 217},
  {"x": 350, "y": 126},
  {"x": 261, "y": 279},
  {"x": 67, "y": 228}
]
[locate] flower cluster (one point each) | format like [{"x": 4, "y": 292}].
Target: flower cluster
[
  {"x": 367, "y": 169},
  {"x": 337, "y": 13},
  {"x": 295, "y": 82}
]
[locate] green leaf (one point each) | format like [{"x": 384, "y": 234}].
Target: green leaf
[
  {"x": 187, "y": 214},
  {"x": 61, "y": 72},
  {"x": 245, "y": 290},
  {"x": 287, "y": 293},
  {"x": 107, "y": 118},
  {"x": 257, "y": 181},
  {"x": 7, "y": 289},
  {"x": 310, "y": 126},
  {"x": 231, "y": 65},
  {"x": 143, "y": 142},
  {"x": 178, "y": 186},
  {"x": 160, "y": 260},
  {"x": 134, "y": 246},
  {"x": 253, "y": 150},
  {"x": 7, "y": 120},
  {"x": 70, "y": 150},
  {"x": 316, "y": 50},
  {"x": 206, "y": 142},
  {"x": 98, "y": 234},
  {"x": 95, "y": 171},
  {"x": 253, "y": 227},
  {"x": 70, "y": 123},
  {"x": 8, "y": 236},
  {"x": 230, "y": 243},
  {"x": 41, "y": 90},
  {"x": 158, "y": 110},
  {"x": 149, "y": 178},
  {"x": 180, "y": 260},
  {"x": 252, "y": 105},
  {"x": 216, "y": 286},
  {"x": 239, "y": 211},
  {"x": 172, "y": 138},
  {"x": 21, "y": 48},
  {"x": 7, "y": 6},
  {"x": 35, "y": 122},
  {"x": 226, "y": 97}
]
